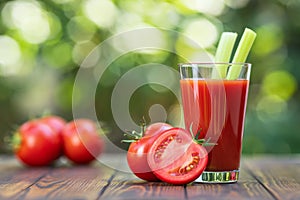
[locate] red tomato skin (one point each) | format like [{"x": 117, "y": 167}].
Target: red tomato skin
[
  {"x": 39, "y": 145},
  {"x": 82, "y": 143},
  {"x": 137, "y": 152},
  {"x": 166, "y": 172},
  {"x": 137, "y": 158},
  {"x": 157, "y": 128},
  {"x": 81, "y": 125},
  {"x": 57, "y": 123}
]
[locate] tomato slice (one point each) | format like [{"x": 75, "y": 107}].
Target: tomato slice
[{"x": 175, "y": 158}]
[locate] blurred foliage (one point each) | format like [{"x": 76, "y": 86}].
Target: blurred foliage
[{"x": 43, "y": 43}]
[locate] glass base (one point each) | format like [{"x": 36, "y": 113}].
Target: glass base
[{"x": 218, "y": 177}]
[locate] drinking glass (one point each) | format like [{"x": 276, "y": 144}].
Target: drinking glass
[{"x": 214, "y": 104}]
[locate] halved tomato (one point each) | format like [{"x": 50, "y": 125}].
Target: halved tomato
[{"x": 176, "y": 158}]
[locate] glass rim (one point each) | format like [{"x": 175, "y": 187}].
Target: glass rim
[
  {"x": 213, "y": 63},
  {"x": 215, "y": 70}
]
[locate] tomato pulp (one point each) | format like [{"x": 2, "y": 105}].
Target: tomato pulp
[
  {"x": 176, "y": 158},
  {"x": 217, "y": 108}
]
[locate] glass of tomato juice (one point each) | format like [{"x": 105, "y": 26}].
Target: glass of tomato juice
[{"x": 214, "y": 105}]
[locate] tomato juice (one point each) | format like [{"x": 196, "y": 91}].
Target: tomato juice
[{"x": 217, "y": 108}]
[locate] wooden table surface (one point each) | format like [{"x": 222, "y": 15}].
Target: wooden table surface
[{"x": 262, "y": 177}]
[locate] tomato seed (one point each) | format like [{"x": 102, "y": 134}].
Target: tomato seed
[
  {"x": 179, "y": 140},
  {"x": 181, "y": 171},
  {"x": 190, "y": 166}
]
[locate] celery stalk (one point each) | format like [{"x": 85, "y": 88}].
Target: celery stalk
[
  {"x": 223, "y": 53},
  {"x": 241, "y": 53}
]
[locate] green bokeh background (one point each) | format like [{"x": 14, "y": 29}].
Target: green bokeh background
[{"x": 42, "y": 44}]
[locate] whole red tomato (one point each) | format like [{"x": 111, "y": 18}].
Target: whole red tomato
[
  {"x": 57, "y": 123},
  {"x": 37, "y": 143},
  {"x": 175, "y": 157},
  {"x": 138, "y": 150},
  {"x": 82, "y": 142}
]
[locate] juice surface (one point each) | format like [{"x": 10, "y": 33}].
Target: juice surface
[{"x": 216, "y": 108}]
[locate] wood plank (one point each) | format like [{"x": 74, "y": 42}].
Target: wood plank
[
  {"x": 246, "y": 188},
  {"x": 75, "y": 182},
  {"x": 279, "y": 175},
  {"x": 127, "y": 186},
  {"x": 62, "y": 182},
  {"x": 16, "y": 180},
  {"x": 261, "y": 178}
]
